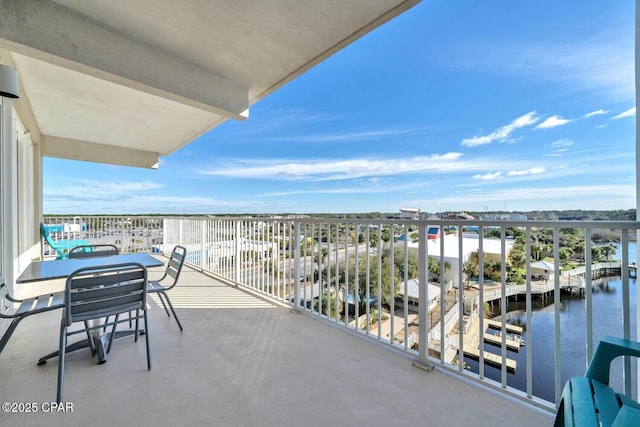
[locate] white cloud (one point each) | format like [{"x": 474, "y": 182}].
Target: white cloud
[
  {"x": 97, "y": 190},
  {"x": 351, "y": 135},
  {"x": 595, "y": 113},
  {"x": 562, "y": 143},
  {"x": 552, "y": 122},
  {"x": 503, "y": 133},
  {"x": 631, "y": 112},
  {"x": 532, "y": 171},
  {"x": 488, "y": 176},
  {"x": 336, "y": 169}
]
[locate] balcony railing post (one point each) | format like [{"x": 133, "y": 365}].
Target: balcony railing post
[
  {"x": 503, "y": 306},
  {"x": 122, "y": 234},
  {"x": 588, "y": 296},
  {"x": 461, "y": 300},
  {"x": 203, "y": 245},
  {"x": 423, "y": 279},
  {"x": 296, "y": 293},
  {"x": 556, "y": 308},
  {"x": 165, "y": 234},
  {"x": 529, "y": 350},
  {"x": 626, "y": 312},
  {"x": 237, "y": 261}
]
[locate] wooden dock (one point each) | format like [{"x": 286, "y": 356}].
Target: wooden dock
[
  {"x": 471, "y": 343},
  {"x": 497, "y": 340},
  {"x": 514, "y": 329},
  {"x": 491, "y": 358}
]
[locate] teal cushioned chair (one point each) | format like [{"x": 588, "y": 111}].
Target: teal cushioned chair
[{"x": 62, "y": 247}]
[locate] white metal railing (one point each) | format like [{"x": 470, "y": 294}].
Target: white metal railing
[
  {"x": 345, "y": 270},
  {"x": 128, "y": 233}
]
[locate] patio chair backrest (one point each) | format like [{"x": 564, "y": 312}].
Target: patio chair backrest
[
  {"x": 96, "y": 292},
  {"x": 47, "y": 237},
  {"x": 174, "y": 266},
  {"x": 92, "y": 251}
]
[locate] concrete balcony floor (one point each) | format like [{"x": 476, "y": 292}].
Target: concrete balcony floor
[{"x": 241, "y": 361}]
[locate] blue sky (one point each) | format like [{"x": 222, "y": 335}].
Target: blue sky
[{"x": 493, "y": 105}]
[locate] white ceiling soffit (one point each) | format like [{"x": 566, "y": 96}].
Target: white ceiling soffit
[{"x": 143, "y": 78}]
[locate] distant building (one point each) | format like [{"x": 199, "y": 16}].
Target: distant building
[
  {"x": 413, "y": 292},
  {"x": 505, "y": 217},
  {"x": 457, "y": 215},
  {"x": 492, "y": 249},
  {"x": 410, "y": 213}
]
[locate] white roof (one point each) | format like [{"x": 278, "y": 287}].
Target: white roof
[
  {"x": 124, "y": 81},
  {"x": 542, "y": 265},
  {"x": 413, "y": 287},
  {"x": 469, "y": 244}
]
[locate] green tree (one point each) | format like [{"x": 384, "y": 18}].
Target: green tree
[
  {"x": 494, "y": 268},
  {"x": 385, "y": 278},
  {"x": 517, "y": 256},
  {"x": 470, "y": 269},
  {"x": 565, "y": 255},
  {"x": 608, "y": 251},
  {"x": 373, "y": 238},
  {"x": 433, "y": 267},
  {"x": 597, "y": 254}
]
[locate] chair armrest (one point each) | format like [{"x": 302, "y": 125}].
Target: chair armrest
[
  {"x": 627, "y": 416},
  {"x": 608, "y": 349}
]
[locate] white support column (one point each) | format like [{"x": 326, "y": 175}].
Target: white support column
[{"x": 8, "y": 177}]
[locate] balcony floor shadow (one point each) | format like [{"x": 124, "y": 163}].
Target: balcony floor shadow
[{"x": 242, "y": 361}]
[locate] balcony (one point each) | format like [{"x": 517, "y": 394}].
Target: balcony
[
  {"x": 298, "y": 311},
  {"x": 243, "y": 360}
]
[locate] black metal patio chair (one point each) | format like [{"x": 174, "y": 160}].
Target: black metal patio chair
[
  {"x": 169, "y": 280},
  {"x": 94, "y": 293},
  {"x": 26, "y": 307}
]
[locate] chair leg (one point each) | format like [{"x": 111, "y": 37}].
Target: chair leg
[
  {"x": 137, "y": 332},
  {"x": 160, "y": 297},
  {"x": 146, "y": 336},
  {"x": 89, "y": 338},
  {"x": 12, "y": 327},
  {"x": 63, "y": 345},
  {"x": 113, "y": 332},
  {"x": 172, "y": 310}
]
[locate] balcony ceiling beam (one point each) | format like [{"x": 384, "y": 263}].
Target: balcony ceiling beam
[
  {"x": 64, "y": 148},
  {"x": 52, "y": 33}
]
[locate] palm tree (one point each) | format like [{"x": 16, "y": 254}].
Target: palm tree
[
  {"x": 608, "y": 251},
  {"x": 470, "y": 269},
  {"x": 434, "y": 268},
  {"x": 494, "y": 267},
  {"x": 517, "y": 256}
]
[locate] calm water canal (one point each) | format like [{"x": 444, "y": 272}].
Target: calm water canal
[{"x": 607, "y": 320}]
